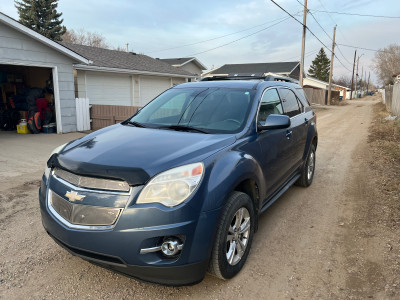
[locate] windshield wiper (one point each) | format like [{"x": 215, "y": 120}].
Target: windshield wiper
[
  {"x": 137, "y": 124},
  {"x": 183, "y": 128}
]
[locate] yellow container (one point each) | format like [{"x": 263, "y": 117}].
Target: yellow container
[{"x": 22, "y": 129}]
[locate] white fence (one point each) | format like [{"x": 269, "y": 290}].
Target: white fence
[
  {"x": 82, "y": 114},
  {"x": 392, "y": 98}
]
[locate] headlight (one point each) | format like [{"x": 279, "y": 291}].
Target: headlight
[
  {"x": 47, "y": 169},
  {"x": 172, "y": 187}
]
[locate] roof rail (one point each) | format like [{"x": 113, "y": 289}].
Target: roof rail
[{"x": 249, "y": 77}]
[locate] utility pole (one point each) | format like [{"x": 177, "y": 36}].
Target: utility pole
[
  {"x": 361, "y": 81},
  {"x": 358, "y": 60},
  {"x": 331, "y": 70},
  {"x": 303, "y": 44},
  {"x": 369, "y": 75},
  {"x": 352, "y": 77}
]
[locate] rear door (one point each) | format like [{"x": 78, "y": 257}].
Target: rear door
[{"x": 297, "y": 132}]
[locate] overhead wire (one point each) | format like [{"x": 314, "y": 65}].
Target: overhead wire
[
  {"x": 216, "y": 38},
  {"x": 310, "y": 32},
  {"x": 315, "y": 19},
  {"x": 231, "y": 42},
  {"x": 354, "y": 14}
]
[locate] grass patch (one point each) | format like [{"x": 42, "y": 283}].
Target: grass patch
[{"x": 384, "y": 142}]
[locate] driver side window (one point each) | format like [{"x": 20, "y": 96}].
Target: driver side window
[{"x": 270, "y": 104}]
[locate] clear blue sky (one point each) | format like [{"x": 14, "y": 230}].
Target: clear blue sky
[{"x": 152, "y": 26}]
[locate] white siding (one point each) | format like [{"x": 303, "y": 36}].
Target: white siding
[
  {"x": 151, "y": 87},
  {"x": 108, "y": 88},
  {"x": 16, "y": 48}
]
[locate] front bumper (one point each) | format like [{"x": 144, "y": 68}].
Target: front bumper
[{"x": 118, "y": 248}]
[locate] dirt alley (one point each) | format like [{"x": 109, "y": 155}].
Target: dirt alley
[{"x": 320, "y": 242}]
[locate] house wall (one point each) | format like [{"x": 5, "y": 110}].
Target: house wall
[
  {"x": 19, "y": 49},
  {"x": 192, "y": 68},
  {"x": 106, "y": 88}
]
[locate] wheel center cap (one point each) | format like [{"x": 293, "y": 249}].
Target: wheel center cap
[{"x": 236, "y": 236}]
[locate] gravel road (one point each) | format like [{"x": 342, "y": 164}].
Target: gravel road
[{"x": 316, "y": 242}]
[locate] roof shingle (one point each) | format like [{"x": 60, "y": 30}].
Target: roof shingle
[
  {"x": 124, "y": 60},
  {"x": 256, "y": 68}
]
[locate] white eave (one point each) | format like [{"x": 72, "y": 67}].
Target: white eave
[
  {"x": 196, "y": 61},
  {"x": 37, "y": 36},
  {"x": 128, "y": 71}
]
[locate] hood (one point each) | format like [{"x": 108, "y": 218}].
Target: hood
[{"x": 136, "y": 154}]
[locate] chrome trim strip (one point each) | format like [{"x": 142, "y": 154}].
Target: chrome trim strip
[
  {"x": 77, "y": 188},
  {"x": 158, "y": 248},
  {"x": 93, "y": 182},
  {"x": 150, "y": 250},
  {"x": 74, "y": 226}
]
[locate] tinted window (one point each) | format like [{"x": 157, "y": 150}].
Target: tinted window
[
  {"x": 290, "y": 104},
  {"x": 270, "y": 104},
  {"x": 303, "y": 97},
  {"x": 216, "y": 110}
]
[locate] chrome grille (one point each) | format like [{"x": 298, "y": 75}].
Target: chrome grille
[
  {"x": 92, "y": 182},
  {"x": 86, "y": 215}
]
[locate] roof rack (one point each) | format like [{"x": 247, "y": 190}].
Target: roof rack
[{"x": 249, "y": 77}]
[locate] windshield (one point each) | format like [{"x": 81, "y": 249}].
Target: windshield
[{"x": 212, "y": 110}]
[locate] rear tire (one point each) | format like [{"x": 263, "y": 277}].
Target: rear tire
[
  {"x": 307, "y": 172},
  {"x": 234, "y": 236}
]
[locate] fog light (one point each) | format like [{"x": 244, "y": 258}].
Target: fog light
[{"x": 171, "y": 247}]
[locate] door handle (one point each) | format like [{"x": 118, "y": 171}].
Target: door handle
[{"x": 289, "y": 133}]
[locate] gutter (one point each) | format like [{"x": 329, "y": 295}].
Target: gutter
[{"x": 127, "y": 71}]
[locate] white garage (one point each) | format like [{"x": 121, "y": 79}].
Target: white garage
[
  {"x": 152, "y": 86},
  {"x": 108, "y": 88},
  {"x": 122, "y": 78}
]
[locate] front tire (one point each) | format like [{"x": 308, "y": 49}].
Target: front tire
[
  {"x": 307, "y": 172},
  {"x": 234, "y": 236}
]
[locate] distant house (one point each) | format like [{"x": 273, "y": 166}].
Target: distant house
[
  {"x": 288, "y": 69},
  {"x": 189, "y": 64},
  {"x": 396, "y": 78},
  {"x": 316, "y": 84}
]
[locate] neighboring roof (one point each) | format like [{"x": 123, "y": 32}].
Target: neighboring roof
[
  {"x": 41, "y": 38},
  {"x": 113, "y": 60},
  {"x": 324, "y": 82},
  {"x": 179, "y": 62},
  {"x": 257, "y": 69}
]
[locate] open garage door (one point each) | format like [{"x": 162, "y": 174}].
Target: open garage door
[
  {"x": 150, "y": 87},
  {"x": 27, "y": 91}
]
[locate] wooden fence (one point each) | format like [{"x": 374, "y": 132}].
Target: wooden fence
[
  {"x": 106, "y": 115},
  {"x": 320, "y": 96}
]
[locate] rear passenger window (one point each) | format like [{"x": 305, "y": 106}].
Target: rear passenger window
[
  {"x": 303, "y": 96},
  {"x": 290, "y": 102},
  {"x": 270, "y": 104}
]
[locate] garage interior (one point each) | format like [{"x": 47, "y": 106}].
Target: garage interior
[{"x": 27, "y": 93}]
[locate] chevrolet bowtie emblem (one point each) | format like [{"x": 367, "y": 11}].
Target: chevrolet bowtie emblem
[{"x": 74, "y": 196}]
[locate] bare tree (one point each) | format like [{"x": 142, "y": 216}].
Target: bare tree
[
  {"x": 387, "y": 63},
  {"x": 83, "y": 37},
  {"x": 343, "y": 81}
]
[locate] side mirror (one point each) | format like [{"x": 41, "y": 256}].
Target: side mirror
[{"x": 274, "y": 122}]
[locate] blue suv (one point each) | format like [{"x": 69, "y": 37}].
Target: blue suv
[{"x": 176, "y": 190}]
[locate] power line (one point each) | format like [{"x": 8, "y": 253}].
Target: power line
[
  {"x": 325, "y": 31},
  {"x": 353, "y": 14},
  {"x": 368, "y": 49},
  {"x": 334, "y": 22},
  {"x": 220, "y": 46},
  {"x": 216, "y": 38},
  {"x": 310, "y": 32}
]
